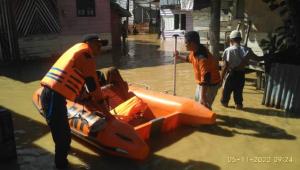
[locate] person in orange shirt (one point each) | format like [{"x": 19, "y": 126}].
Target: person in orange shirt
[
  {"x": 74, "y": 70},
  {"x": 205, "y": 68}
]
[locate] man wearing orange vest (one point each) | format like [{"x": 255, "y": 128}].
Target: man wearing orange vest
[
  {"x": 74, "y": 70},
  {"x": 205, "y": 68}
]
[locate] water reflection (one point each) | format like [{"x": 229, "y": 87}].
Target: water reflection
[
  {"x": 140, "y": 54},
  {"x": 148, "y": 63}
]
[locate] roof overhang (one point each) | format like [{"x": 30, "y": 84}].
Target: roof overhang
[
  {"x": 121, "y": 11},
  {"x": 177, "y": 4},
  {"x": 146, "y": 4}
]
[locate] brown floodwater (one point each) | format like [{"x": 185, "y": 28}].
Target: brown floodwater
[{"x": 255, "y": 138}]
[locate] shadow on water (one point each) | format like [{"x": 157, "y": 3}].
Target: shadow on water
[
  {"x": 271, "y": 112},
  {"x": 140, "y": 54},
  {"x": 158, "y": 162},
  {"x": 33, "y": 70},
  {"x": 153, "y": 162},
  {"x": 166, "y": 139},
  {"x": 26, "y": 71},
  {"x": 33, "y": 157},
  {"x": 228, "y": 126},
  {"x": 29, "y": 156}
]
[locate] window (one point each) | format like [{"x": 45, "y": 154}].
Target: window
[
  {"x": 85, "y": 8},
  {"x": 176, "y": 21},
  {"x": 183, "y": 22},
  {"x": 180, "y": 21}
]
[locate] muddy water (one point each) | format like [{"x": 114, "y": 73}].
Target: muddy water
[{"x": 255, "y": 138}]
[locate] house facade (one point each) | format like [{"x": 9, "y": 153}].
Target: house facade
[
  {"x": 46, "y": 28},
  {"x": 174, "y": 19},
  {"x": 180, "y": 16}
]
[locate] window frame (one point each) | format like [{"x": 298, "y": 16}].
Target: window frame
[
  {"x": 178, "y": 25},
  {"x": 88, "y": 5}
]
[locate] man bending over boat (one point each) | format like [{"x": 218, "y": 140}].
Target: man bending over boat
[
  {"x": 75, "y": 69},
  {"x": 205, "y": 67}
]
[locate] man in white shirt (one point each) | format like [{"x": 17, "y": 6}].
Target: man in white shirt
[{"x": 235, "y": 59}]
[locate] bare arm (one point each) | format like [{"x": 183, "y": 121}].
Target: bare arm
[
  {"x": 252, "y": 56},
  {"x": 224, "y": 70},
  {"x": 181, "y": 57}
]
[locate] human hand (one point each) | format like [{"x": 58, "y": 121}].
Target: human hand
[
  {"x": 203, "y": 102},
  {"x": 221, "y": 82},
  {"x": 176, "y": 54}
]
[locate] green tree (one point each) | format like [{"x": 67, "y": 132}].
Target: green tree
[{"x": 288, "y": 35}]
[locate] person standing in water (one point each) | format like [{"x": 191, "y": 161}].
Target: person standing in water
[
  {"x": 205, "y": 68},
  {"x": 74, "y": 70}
]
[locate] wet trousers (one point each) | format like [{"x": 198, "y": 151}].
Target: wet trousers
[
  {"x": 54, "y": 106},
  {"x": 234, "y": 82},
  {"x": 210, "y": 94}
]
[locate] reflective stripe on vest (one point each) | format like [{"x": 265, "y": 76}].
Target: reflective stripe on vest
[{"x": 63, "y": 77}]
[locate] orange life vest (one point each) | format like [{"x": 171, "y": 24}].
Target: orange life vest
[
  {"x": 63, "y": 77},
  {"x": 202, "y": 66},
  {"x": 129, "y": 109}
]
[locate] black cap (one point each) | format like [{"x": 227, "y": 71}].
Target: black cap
[
  {"x": 92, "y": 37},
  {"x": 192, "y": 36}
]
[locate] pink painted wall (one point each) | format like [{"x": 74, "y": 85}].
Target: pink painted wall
[
  {"x": 71, "y": 24},
  {"x": 116, "y": 29}
]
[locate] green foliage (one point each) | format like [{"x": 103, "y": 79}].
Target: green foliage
[{"x": 284, "y": 36}]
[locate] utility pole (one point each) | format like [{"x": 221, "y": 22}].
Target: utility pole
[
  {"x": 214, "y": 27},
  {"x": 133, "y": 11},
  {"x": 127, "y": 19},
  {"x": 150, "y": 17}
]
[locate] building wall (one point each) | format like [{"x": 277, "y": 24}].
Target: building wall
[
  {"x": 71, "y": 24},
  {"x": 115, "y": 29},
  {"x": 142, "y": 14},
  {"x": 72, "y": 29},
  {"x": 51, "y": 45},
  {"x": 263, "y": 19},
  {"x": 201, "y": 22},
  {"x": 167, "y": 15}
]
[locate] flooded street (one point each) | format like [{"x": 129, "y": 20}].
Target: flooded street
[{"x": 256, "y": 138}]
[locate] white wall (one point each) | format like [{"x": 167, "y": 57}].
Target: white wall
[{"x": 167, "y": 15}]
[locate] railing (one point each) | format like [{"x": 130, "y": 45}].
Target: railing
[{"x": 169, "y": 2}]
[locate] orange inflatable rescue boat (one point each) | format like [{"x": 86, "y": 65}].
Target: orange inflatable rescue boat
[{"x": 126, "y": 135}]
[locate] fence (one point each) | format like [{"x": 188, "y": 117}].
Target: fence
[{"x": 282, "y": 88}]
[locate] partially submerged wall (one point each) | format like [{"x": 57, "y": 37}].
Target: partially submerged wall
[
  {"x": 43, "y": 46},
  {"x": 42, "y": 42}
]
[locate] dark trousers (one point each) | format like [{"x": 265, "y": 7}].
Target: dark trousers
[
  {"x": 234, "y": 82},
  {"x": 54, "y": 106}
]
